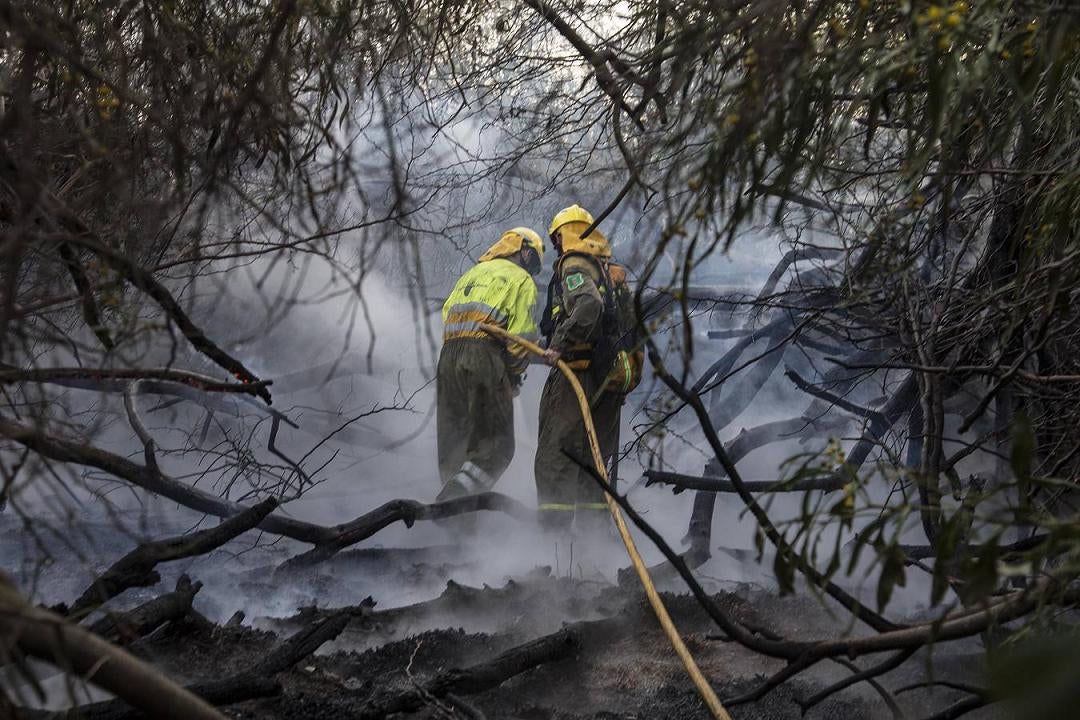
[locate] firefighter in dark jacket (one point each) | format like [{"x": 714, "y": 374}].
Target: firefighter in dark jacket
[
  {"x": 478, "y": 375},
  {"x": 573, "y": 320}
]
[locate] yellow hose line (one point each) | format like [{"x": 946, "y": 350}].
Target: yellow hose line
[{"x": 702, "y": 685}]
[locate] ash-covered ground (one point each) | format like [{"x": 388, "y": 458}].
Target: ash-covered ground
[{"x": 415, "y": 616}]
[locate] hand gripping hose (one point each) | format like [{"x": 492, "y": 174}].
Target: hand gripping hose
[{"x": 702, "y": 685}]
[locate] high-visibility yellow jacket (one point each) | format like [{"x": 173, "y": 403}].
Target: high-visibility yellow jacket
[{"x": 498, "y": 292}]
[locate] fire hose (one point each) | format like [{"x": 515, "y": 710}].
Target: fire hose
[{"x": 662, "y": 615}]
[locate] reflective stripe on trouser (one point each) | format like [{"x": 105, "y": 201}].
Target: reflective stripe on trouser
[
  {"x": 560, "y": 481},
  {"x": 568, "y": 507},
  {"x": 469, "y": 480},
  {"x": 475, "y": 410}
]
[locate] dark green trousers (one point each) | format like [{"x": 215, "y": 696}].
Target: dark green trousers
[
  {"x": 475, "y": 408},
  {"x": 563, "y": 488}
]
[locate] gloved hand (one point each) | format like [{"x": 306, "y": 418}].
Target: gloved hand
[{"x": 516, "y": 381}]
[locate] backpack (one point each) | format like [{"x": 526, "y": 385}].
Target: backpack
[
  {"x": 618, "y": 359},
  {"x": 619, "y": 348}
]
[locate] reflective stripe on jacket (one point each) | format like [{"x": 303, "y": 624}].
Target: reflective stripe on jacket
[{"x": 497, "y": 292}]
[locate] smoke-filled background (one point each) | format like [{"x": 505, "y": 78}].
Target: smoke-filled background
[
  {"x": 228, "y": 229},
  {"x": 350, "y": 332}
]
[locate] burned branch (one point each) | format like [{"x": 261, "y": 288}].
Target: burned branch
[
  {"x": 257, "y": 682},
  {"x": 144, "y": 619},
  {"x": 43, "y": 635},
  {"x": 718, "y": 485},
  {"x": 408, "y": 512},
  {"x": 136, "y": 569},
  {"x": 328, "y": 540},
  {"x": 480, "y": 677}
]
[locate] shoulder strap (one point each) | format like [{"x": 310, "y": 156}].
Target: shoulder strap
[{"x": 547, "y": 319}]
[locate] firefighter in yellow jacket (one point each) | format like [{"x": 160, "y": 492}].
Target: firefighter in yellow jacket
[
  {"x": 572, "y": 322},
  {"x": 478, "y": 375}
]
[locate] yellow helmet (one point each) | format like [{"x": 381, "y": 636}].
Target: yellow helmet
[
  {"x": 574, "y": 213},
  {"x": 512, "y": 241}
]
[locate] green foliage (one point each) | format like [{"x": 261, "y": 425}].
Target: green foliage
[{"x": 892, "y": 573}]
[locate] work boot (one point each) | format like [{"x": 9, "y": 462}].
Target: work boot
[{"x": 469, "y": 480}]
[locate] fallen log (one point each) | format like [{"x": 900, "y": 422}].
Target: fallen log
[
  {"x": 309, "y": 614},
  {"x": 408, "y": 512},
  {"x": 149, "y": 616},
  {"x": 302, "y": 644},
  {"x": 44, "y": 635},
  {"x": 484, "y": 676},
  {"x": 455, "y": 605},
  {"x": 258, "y": 682},
  {"x": 136, "y": 569}
]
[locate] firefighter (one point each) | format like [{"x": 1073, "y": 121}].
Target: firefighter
[
  {"x": 478, "y": 375},
  {"x": 572, "y": 322}
]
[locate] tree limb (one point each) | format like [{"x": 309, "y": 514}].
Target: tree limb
[
  {"x": 256, "y": 682},
  {"x": 202, "y": 382},
  {"x": 719, "y": 485},
  {"x": 44, "y": 635},
  {"x": 408, "y": 512},
  {"x": 91, "y": 314},
  {"x": 860, "y": 675},
  {"x": 331, "y": 539},
  {"x": 136, "y": 569},
  {"x": 875, "y": 417}
]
